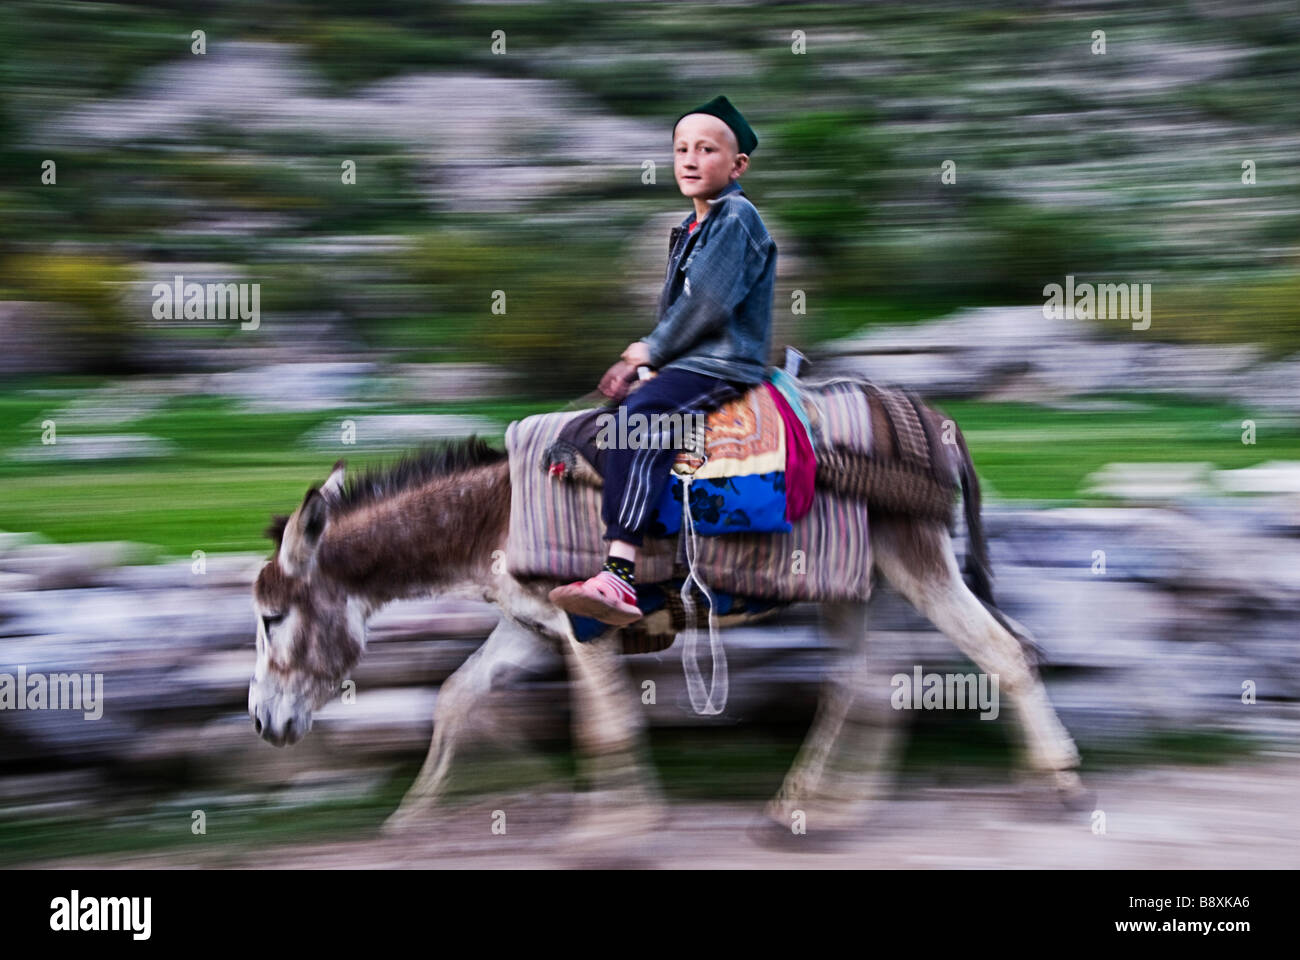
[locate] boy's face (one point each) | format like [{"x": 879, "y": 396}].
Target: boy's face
[{"x": 705, "y": 155}]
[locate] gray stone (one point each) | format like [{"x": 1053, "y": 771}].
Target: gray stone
[
  {"x": 294, "y": 386},
  {"x": 54, "y": 566},
  {"x": 398, "y": 431},
  {"x": 1192, "y": 602},
  {"x": 1015, "y": 353},
  {"x": 260, "y": 86},
  {"x": 95, "y": 447},
  {"x": 441, "y": 382},
  {"x": 1150, "y": 482}
]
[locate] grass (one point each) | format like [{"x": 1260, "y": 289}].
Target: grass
[
  {"x": 232, "y": 469},
  {"x": 1033, "y": 452},
  {"x": 164, "y": 830}
]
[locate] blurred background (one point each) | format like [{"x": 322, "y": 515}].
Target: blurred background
[{"x": 381, "y": 171}]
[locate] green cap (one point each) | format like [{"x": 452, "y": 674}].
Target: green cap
[{"x": 721, "y": 108}]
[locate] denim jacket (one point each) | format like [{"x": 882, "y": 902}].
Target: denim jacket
[{"x": 715, "y": 311}]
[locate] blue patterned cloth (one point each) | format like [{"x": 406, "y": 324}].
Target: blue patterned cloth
[{"x": 754, "y": 503}]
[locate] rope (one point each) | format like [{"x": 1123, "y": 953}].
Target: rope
[{"x": 701, "y": 700}]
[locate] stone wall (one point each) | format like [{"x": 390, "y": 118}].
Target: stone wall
[{"x": 1192, "y": 604}]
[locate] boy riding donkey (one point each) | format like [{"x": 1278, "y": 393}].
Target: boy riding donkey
[{"x": 710, "y": 345}]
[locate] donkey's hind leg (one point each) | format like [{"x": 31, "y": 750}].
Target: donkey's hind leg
[{"x": 917, "y": 558}]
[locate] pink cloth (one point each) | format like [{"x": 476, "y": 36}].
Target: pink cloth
[{"x": 800, "y": 463}]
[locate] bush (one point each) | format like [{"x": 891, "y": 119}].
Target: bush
[
  {"x": 97, "y": 331},
  {"x": 566, "y": 318},
  {"x": 1266, "y": 312}
]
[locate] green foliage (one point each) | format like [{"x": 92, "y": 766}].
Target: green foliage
[
  {"x": 842, "y": 176},
  {"x": 1264, "y": 312},
  {"x": 354, "y": 51},
  {"x": 852, "y": 138},
  {"x": 96, "y": 330},
  {"x": 565, "y": 318}
]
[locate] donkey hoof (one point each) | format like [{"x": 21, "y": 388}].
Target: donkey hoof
[
  {"x": 394, "y": 827},
  {"x": 401, "y": 822},
  {"x": 603, "y": 822},
  {"x": 775, "y": 835},
  {"x": 1074, "y": 796}
]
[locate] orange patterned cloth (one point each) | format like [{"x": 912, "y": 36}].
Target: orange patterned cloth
[{"x": 745, "y": 436}]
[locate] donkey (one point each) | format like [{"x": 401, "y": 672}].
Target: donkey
[{"x": 436, "y": 524}]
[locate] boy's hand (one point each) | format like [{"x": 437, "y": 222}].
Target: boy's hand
[
  {"x": 618, "y": 380},
  {"x": 637, "y": 354}
]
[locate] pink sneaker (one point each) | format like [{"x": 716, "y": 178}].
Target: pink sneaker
[{"x": 604, "y": 597}]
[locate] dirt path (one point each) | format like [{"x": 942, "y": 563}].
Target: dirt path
[{"x": 1173, "y": 817}]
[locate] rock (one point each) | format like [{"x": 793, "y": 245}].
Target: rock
[
  {"x": 294, "y": 386},
  {"x": 9, "y": 542},
  {"x": 1151, "y": 482},
  {"x": 34, "y": 338},
  {"x": 118, "y": 404},
  {"x": 1191, "y": 603},
  {"x": 95, "y": 447},
  {"x": 1268, "y": 385},
  {"x": 267, "y": 87},
  {"x": 440, "y": 382},
  {"x": 56, "y": 566},
  {"x": 1015, "y": 354},
  {"x": 399, "y": 431},
  {"x": 379, "y": 719},
  {"x": 218, "y": 570},
  {"x": 1275, "y": 476}
]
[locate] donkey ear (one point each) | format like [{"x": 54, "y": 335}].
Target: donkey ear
[
  {"x": 315, "y": 511},
  {"x": 332, "y": 489},
  {"x": 303, "y": 533},
  {"x": 275, "y": 529}
]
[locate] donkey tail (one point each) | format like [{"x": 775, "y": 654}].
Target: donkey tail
[{"x": 979, "y": 570}]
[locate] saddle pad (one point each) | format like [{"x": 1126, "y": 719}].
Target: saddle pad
[
  {"x": 800, "y": 459},
  {"x": 745, "y": 435},
  {"x": 909, "y": 468},
  {"x": 556, "y": 532},
  {"x": 555, "y": 524}
]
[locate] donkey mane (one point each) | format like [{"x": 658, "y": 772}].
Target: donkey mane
[{"x": 412, "y": 470}]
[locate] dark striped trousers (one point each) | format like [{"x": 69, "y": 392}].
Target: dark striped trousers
[{"x": 637, "y": 472}]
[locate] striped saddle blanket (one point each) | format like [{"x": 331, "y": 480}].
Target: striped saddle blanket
[{"x": 876, "y": 448}]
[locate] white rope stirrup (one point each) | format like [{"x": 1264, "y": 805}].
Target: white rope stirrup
[{"x": 701, "y": 701}]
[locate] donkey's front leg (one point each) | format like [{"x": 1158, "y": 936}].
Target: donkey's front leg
[
  {"x": 510, "y": 649},
  {"x": 609, "y": 737}
]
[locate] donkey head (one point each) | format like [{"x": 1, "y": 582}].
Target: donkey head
[{"x": 309, "y": 635}]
